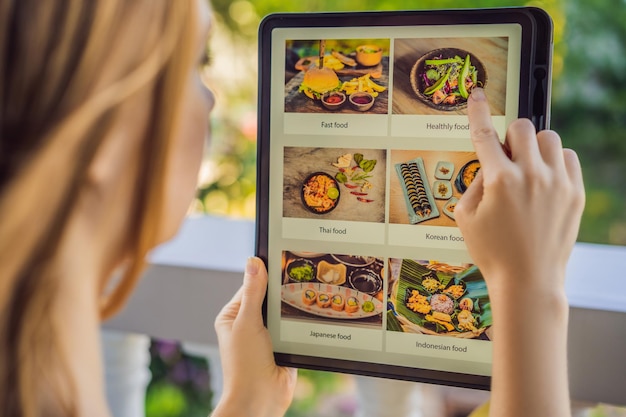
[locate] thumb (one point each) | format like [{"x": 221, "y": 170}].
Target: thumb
[{"x": 253, "y": 290}]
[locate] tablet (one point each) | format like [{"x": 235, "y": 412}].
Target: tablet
[{"x": 363, "y": 153}]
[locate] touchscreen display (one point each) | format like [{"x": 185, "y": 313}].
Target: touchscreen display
[{"x": 369, "y": 154}]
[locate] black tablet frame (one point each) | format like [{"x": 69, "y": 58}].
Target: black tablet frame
[{"x": 534, "y": 103}]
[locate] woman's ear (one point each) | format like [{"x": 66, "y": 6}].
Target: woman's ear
[{"x": 118, "y": 154}]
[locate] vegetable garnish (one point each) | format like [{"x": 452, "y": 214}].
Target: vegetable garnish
[
  {"x": 449, "y": 81},
  {"x": 354, "y": 172},
  {"x": 301, "y": 273}
]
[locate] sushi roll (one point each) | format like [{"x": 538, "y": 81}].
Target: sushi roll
[
  {"x": 352, "y": 305},
  {"x": 337, "y": 302},
  {"x": 309, "y": 296},
  {"x": 422, "y": 201},
  {"x": 415, "y": 203},
  {"x": 323, "y": 300},
  {"x": 415, "y": 189}
]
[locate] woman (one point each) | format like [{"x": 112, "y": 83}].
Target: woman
[
  {"x": 103, "y": 119},
  {"x": 102, "y": 123}
]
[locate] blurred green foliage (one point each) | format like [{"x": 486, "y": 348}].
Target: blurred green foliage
[
  {"x": 588, "y": 103},
  {"x": 180, "y": 383},
  {"x": 311, "y": 387},
  {"x": 588, "y": 110},
  {"x": 603, "y": 410}
]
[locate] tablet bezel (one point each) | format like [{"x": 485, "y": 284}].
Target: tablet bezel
[{"x": 534, "y": 99}]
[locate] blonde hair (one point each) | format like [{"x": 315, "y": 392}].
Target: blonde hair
[{"x": 66, "y": 69}]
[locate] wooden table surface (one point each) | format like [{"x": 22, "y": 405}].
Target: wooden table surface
[
  {"x": 398, "y": 212},
  {"x": 492, "y": 52}
]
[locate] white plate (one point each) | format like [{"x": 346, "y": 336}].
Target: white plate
[
  {"x": 449, "y": 166},
  {"x": 446, "y": 185},
  {"x": 292, "y": 295},
  {"x": 446, "y": 207}
]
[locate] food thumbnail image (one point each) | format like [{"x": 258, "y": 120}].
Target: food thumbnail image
[
  {"x": 321, "y": 287},
  {"x": 337, "y": 76},
  {"x": 426, "y": 185},
  {"x": 437, "y": 298},
  {"x": 334, "y": 183},
  {"x": 437, "y": 75}
]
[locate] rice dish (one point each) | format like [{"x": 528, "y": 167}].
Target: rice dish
[{"x": 442, "y": 303}]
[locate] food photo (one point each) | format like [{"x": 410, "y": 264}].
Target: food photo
[
  {"x": 426, "y": 185},
  {"x": 337, "y": 76},
  {"x": 334, "y": 184},
  {"x": 436, "y": 76},
  {"x": 436, "y": 298},
  {"x": 341, "y": 289},
  {"x": 443, "y": 78}
]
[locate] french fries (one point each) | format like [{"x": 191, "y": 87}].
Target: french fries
[
  {"x": 362, "y": 84},
  {"x": 331, "y": 62},
  {"x": 344, "y": 59}
]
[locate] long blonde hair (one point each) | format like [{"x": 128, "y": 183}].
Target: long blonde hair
[{"x": 55, "y": 111}]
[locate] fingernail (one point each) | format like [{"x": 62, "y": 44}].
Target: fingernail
[
  {"x": 478, "y": 94},
  {"x": 252, "y": 266}
]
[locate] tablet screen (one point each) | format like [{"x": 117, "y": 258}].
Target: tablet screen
[{"x": 368, "y": 156}]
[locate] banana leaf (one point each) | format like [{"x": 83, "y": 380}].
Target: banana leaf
[
  {"x": 410, "y": 278},
  {"x": 392, "y": 322}
]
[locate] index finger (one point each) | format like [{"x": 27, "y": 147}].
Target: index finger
[{"x": 484, "y": 135}]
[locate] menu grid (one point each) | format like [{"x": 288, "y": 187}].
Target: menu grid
[{"x": 365, "y": 259}]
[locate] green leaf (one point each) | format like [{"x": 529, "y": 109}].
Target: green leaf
[
  {"x": 393, "y": 324},
  {"x": 341, "y": 177},
  {"x": 368, "y": 165}
]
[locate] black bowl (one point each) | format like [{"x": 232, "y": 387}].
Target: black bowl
[
  {"x": 419, "y": 86},
  {"x": 300, "y": 262},
  {"x": 326, "y": 204},
  {"x": 366, "y": 281},
  {"x": 459, "y": 183}
]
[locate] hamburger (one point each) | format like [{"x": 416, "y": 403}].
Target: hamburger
[{"x": 319, "y": 81}]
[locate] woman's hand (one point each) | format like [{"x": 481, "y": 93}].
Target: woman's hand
[
  {"x": 520, "y": 219},
  {"x": 522, "y": 212},
  {"x": 253, "y": 384}
]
